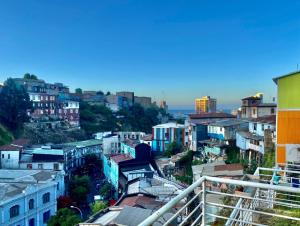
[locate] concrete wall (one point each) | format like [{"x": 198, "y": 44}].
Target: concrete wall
[{"x": 10, "y": 159}]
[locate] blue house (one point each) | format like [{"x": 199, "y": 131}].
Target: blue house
[{"x": 133, "y": 154}]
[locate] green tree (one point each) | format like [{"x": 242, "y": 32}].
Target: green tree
[
  {"x": 78, "y": 91},
  {"x": 172, "y": 149},
  {"x": 95, "y": 118},
  {"x": 64, "y": 217},
  {"x": 30, "y": 76},
  {"x": 79, "y": 188},
  {"x": 105, "y": 190},
  {"x": 100, "y": 92},
  {"x": 98, "y": 206},
  {"x": 15, "y": 104}
]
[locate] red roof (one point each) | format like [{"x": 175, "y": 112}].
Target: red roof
[
  {"x": 121, "y": 158},
  {"x": 21, "y": 142},
  {"x": 229, "y": 167},
  {"x": 211, "y": 115},
  {"x": 138, "y": 200},
  {"x": 10, "y": 147}
]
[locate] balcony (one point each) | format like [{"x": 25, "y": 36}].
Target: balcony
[{"x": 268, "y": 196}]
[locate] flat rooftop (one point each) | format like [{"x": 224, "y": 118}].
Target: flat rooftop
[{"x": 169, "y": 125}]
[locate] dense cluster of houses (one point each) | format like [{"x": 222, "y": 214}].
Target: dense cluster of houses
[{"x": 32, "y": 177}]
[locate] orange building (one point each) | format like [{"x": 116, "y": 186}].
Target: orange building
[
  {"x": 205, "y": 104},
  {"x": 288, "y": 118}
]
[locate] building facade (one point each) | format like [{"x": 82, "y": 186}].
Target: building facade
[
  {"x": 205, "y": 104},
  {"x": 196, "y": 125},
  {"x": 50, "y": 101},
  {"x": 164, "y": 134},
  {"x": 143, "y": 101},
  {"x": 28, "y": 197},
  {"x": 257, "y": 139},
  {"x": 288, "y": 118},
  {"x": 254, "y": 107}
]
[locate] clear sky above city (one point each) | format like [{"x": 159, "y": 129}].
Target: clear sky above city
[{"x": 173, "y": 50}]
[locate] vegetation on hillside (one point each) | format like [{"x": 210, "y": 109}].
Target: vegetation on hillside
[
  {"x": 95, "y": 118},
  {"x": 15, "y": 103},
  {"x": 172, "y": 149},
  {"x": 5, "y": 136},
  {"x": 185, "y": 164}
]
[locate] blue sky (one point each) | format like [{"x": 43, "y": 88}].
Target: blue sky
[{"x": 177, "y": 50}]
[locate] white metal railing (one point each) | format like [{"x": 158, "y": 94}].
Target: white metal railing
[
  {"x": 202, "y": 204},
  {"x": 268, "y": 175}
]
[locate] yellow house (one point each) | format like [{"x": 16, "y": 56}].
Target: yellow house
[{"x": 288, "y": 118}]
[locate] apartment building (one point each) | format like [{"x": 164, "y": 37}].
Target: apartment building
[
  {"x": 196, "y": 125},
  {"x": 254, "y": 107},
  {"x": 167, "y": 133},
  {"x": 28, "y": 197},
  {"x": 205, "y": 104},
  {"x": 51, "y": 101}
]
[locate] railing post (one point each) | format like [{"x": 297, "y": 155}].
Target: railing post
[{"x": 203, "y": 204}]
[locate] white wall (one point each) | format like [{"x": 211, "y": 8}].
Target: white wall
[
  {"x": 10, "y": 159},
  {"x": 260, "y": 128},
  {"x": 111, "y": 145},
  {"x": 265, "y": 111}
]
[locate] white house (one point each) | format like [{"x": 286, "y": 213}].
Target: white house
[
  {"x": 259, "y": 136},
  {"x": 10, "y": 154},
  {"x": 28, "y": 197}
]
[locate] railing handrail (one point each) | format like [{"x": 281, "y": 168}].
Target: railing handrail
[{"x": 160, "y": 212}]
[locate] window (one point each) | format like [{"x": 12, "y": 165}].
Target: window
[
  {"x": 8, "y": 156},
  {"x": 253, "y": 111},
  {"x": 40, "y": 166},
  {"x": 221, "y": 129},
  {"x": 254, "y": 126},
  {"x": 46, "y": 216},
  {"x": 262, "y": 127},
  {"x": 55, "y": 166},
  {"x": 31, "y": 204},
  {"x": 31, "y": 222},
  {"x": 3, "y": 156},
  {"x": 272, "y": 110},
  {"x": 46, "y": 197},
  {"x": 14, "y": 211},
  {"x": 29, "y": 166}
]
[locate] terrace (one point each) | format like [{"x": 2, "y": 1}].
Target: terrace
[{"x": 267, "y": 196}]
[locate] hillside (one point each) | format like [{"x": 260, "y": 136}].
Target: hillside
[{"x": 5, "y": 136}]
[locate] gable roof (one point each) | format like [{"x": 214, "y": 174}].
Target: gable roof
[
  {"x": 9, "y": 147},
  {"x": 121, "y": 158},
  {"x": 287, "y": 75}
]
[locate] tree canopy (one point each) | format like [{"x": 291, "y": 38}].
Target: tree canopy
[
  {"x": 64, "y": 217},
  {"x": 79, "y": 188},
  {"x": 30, "y": 76},
  {"x": 15, "y": 104},
  {"x": 78, "y": 91}
]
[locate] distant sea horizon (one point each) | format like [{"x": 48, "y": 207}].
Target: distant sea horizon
[{"x": 184, "y": 113}]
